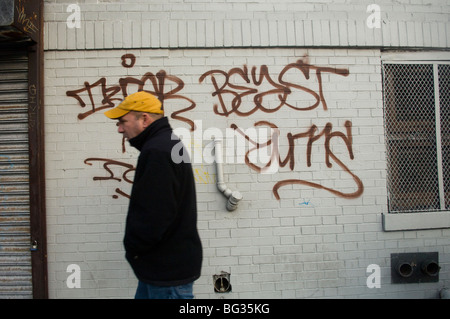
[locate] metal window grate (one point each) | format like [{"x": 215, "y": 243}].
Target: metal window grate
[
  {"x": 417, "y": 174},
  {"x": 444, "y": 101}
]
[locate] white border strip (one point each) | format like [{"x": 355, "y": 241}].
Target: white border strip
[
  {"x": 415, "y": 221},
  {"x": 436, "y": 56}
]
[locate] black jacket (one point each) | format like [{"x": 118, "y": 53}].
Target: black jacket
[{"x": 161, "y": 240}]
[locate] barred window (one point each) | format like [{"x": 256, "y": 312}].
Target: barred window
[{"x": 417, "y": 129}]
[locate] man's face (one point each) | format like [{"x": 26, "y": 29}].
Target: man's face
[{"x": 130, "y": 125}]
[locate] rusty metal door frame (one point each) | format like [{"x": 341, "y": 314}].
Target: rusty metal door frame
[
  {"x": 37, "y": 157},
  {"x": 24, "y": 26}
]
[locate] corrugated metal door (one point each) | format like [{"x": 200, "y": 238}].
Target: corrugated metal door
[{"x": 15, "y": 254}]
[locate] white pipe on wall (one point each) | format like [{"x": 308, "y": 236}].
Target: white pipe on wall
[{"x": 233, "y": 196}]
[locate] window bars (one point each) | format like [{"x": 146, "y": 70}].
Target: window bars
[{"x": 417, "y": 115}]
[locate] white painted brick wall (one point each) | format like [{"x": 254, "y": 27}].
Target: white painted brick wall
[
  {"x": 221, "y": 23},
  {"x": 309, "y": 244}
]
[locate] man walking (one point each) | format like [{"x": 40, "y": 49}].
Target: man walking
[{"x": 161, "y": 239}]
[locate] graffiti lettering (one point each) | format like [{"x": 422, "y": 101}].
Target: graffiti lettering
[
  {"x": 200, "y": 174},
  {"x": 306, "y": 203},
  {"x": 311, "y": 137},
  {"x": 203, "y": 177},
  {"x": 27, "y": 23},
  {"x": 132, "y": 59},
  {"x": 107, "y": 94},
  {"x": 149, "y": 82},
  {"x": 281, "y": 90},
  {"x": 241, "y": 91},
  {"x": 106, "y": 165}
]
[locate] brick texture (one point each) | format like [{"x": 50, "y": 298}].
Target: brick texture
[
  {"x": 311, "y": 69},
  {"x": 220, "y": 23},
  {"x": 311, "y": 242}
]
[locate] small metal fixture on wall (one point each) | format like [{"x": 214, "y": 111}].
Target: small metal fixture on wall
[
  {"x": 222, "y": 282},
  {"x": 415, "y": 267}
]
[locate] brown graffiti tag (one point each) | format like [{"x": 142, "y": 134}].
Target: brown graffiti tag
[
  {"x": 150, "y": 82},
  {"x": 311, "y": 137},
  {"x": 282, "y": 89},
  {"x": 241, "y": 91},
  {"x": 106, "y": 165}
]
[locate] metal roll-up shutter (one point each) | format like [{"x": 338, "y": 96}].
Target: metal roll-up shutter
[{"x": 15, "y": 254}]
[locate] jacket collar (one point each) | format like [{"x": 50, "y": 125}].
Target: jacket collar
[{"x": 153, "y": 129}]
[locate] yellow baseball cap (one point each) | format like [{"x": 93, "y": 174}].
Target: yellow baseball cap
[{"x": 140, "y": 101}]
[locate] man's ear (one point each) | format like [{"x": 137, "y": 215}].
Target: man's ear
[{"x": 147, "y": 119}]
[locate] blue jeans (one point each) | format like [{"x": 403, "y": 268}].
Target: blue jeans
[{"x": 147, "y": 291}]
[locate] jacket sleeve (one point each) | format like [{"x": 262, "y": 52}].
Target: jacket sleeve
[{"x": 153, "y": 203}]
